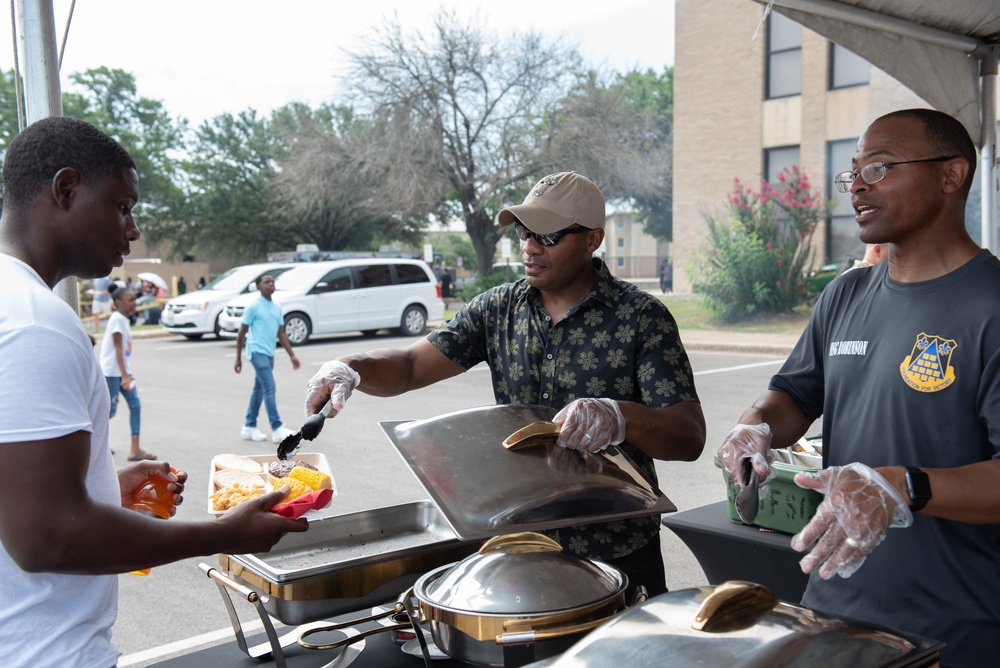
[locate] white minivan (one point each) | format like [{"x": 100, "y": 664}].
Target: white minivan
[
  {"x": 194, "y": 314},
  {"x": 366, "y": 294}
]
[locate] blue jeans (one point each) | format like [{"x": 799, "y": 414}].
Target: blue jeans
[
  {"x": 131, "y": 398},
  {"x": 263, "y": 389}
]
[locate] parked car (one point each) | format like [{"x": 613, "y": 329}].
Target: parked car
[
  {"x": 516, "y": 273},
  {"x": 516, "y": 270},
  {"x": 366, "y": 294},
  {"x": 195, "y": 314}
]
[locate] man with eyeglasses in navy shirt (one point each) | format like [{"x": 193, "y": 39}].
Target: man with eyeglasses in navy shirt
[
  {"x": 571, "y": 336},
  {"x": 902, "y": 361}
]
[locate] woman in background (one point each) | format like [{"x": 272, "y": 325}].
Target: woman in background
[{"x": 116, "y": 364}]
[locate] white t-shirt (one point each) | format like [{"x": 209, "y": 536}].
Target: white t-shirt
[
  {"x": 51, "y": 386},
  {"x": 117, "y": 323}
]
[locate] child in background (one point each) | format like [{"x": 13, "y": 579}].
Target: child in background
[{"x": 116, "y": 364}]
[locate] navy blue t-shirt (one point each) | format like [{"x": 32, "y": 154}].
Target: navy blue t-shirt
[{"x": 908, "y": 374}]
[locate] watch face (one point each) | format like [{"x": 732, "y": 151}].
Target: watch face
[{"x": 918, "y": 486}]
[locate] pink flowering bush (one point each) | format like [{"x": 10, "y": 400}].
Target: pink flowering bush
[{"x": 758, "y": 253}]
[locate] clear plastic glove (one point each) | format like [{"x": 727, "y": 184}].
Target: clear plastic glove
[
  {"x": 334, "y": 382},
  {"x": 747, "y": 441},
  {"x": 860, "y": 506},
  {"x": 590, "y": 424}
]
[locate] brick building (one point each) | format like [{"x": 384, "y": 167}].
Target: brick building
[{"x": 749, "y": 102}]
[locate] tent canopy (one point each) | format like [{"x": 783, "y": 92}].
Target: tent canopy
[{"x": 938, "y": 49}]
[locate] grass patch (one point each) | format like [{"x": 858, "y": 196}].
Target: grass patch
[{"x": 691, "y": 313}]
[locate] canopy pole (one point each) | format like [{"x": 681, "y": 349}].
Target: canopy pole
[
  {"x": 987, "y": 154},
  {"x": 36, "y": 33}
]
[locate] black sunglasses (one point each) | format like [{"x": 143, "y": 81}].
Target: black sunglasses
[{"x": 523, "y": 233}]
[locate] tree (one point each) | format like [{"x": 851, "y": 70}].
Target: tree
[
  {"x": 327, "y": 199},
  {"x": 653, "y": 96},
  {"x": 109, "y": 99},
  {"x": 8, "y": 110},
  {"x": 620, "y": 134},
  {"x": 758, "y": 253},
  {"x": 459, "y": 115},
  {"x": 453, "y": 248},
  {"x": 231, "y": 193}
]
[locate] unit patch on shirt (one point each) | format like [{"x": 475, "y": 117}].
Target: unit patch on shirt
[{"x": 928, "y": 366}]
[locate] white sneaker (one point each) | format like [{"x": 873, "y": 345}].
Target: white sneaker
[
  {"x": 252, "y": 434},
  {"x": 281, "y": 433}
]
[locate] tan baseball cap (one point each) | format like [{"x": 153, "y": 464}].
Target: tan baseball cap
[{"x": 556, "y": 202}]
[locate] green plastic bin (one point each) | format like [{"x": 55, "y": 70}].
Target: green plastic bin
[{"x": 786, "y": 507}]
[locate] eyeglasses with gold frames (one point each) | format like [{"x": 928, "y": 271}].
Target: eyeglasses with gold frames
[{"x": 874, "y": 172}]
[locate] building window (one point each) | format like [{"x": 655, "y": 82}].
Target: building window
[
  {"x": 621, "y": 242},
  {"x": 842, "y": 241},
  {"x": 776, "y": 160},
  {"x": 784, "y": 57},
  {"x": 847, "y": 68},
  {"x": 620, "y": 222},
  {"x": 621, "y": 263}
]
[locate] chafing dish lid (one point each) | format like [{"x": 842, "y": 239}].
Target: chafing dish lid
[
  {"x": 483, "y": 489},
  {"x": 660, "y": 632},
  {"x": 520, "y": 573}
]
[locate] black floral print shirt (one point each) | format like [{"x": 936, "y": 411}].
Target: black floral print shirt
[{"x": 617, "y": 342}]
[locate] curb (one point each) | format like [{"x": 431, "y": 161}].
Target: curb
[
  {"x": 148, "y": 334},
  {"x": 690, "y": 341},
  {"x": 737, "y": 347}
]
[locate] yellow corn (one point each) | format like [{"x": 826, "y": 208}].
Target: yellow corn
[
  {"x": 315, "y": 479},
  {"x": 296, "y": 488}
]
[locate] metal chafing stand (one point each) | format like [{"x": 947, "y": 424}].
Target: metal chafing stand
[{"x": 479, "y": 490}]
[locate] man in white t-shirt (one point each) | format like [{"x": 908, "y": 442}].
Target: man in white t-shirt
[{"x": 69, "y": 191}]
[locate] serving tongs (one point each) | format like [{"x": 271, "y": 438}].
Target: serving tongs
[
  {"x": 748, "y": 499},
  {"x": 541, "y": 432},
  {"x": 275, "y": 644},
  {"x": 402, "y": 608},
  {"x": 310, "y": 430}
]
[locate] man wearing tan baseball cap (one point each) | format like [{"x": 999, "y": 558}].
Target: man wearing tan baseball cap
[
  {"x": 556, "y": 202},
  {"x": 572, "y": 337}
]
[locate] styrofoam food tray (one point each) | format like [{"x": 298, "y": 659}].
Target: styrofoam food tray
[{"x": 316, "y": 459}]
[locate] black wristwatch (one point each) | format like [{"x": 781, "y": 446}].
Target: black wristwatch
[{"x": 918, "y": 486}]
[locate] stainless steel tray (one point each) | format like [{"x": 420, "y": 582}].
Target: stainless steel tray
[
  {"x": 348, "y": 562},
  {"x": 483, "y": 489}
]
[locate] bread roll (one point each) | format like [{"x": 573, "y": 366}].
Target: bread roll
[
  {"x": 228, "y": 461},
  {"x": 228, "y": 477}
]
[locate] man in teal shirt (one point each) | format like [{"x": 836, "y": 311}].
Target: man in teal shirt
[{"x": 264, "y": 321}]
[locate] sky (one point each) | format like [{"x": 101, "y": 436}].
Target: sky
[{"x": 202, "y": 58}]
